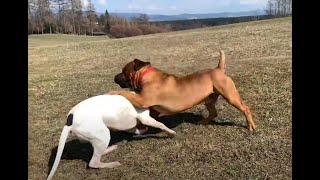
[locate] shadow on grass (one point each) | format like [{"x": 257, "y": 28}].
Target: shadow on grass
[{"x": 74, "y": 149}]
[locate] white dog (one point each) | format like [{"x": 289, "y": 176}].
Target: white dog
[{"x": 90, "y": 119}]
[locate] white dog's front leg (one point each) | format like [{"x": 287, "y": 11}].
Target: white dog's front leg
[
  {"x": 145, "y": 119},
  {"x": 137, "y": 131}
]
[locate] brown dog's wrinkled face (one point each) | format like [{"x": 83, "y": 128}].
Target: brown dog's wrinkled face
[
  {"x": 128, "y": 78},
  {"x": 123, "y": 78}
]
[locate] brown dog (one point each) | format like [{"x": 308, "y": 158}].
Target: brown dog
[{"x": 169, "y": 94}]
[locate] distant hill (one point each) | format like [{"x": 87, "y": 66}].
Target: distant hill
[
  {"x": 177, "y": 25},
  {"x": 159, "y": 17}
]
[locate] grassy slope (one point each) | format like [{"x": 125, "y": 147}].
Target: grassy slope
[
  {"x": 258, "y": 58},
  {"x": 49, "y": 40}
]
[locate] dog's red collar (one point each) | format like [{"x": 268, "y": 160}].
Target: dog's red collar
[{"x": 146, "y": 71}]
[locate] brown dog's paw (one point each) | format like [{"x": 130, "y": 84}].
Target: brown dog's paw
[
  {"x": 112, "y": 92},
  {"x": 252, "y": 127},
  {"x": 204, "y": 122}
]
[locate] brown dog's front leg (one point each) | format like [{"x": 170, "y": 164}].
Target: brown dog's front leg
[{"x": 136, "y": 99}]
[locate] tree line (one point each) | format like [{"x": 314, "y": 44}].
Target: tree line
[
  {"x": 69, "y": 17},
  {"x": 279, "y": 7},
  {"x": 59, "y": 16},
  {"x": 178, "y": 25}
]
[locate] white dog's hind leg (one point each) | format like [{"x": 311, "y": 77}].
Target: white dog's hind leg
[
  {"x": 96, "y": 163},
  {"x": 100, "y": 147},
  {"x": 110, "y": 149}
]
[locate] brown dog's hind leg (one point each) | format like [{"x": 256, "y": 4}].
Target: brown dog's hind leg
[
  {"x": 230, "y": 93},
  {"x": 211, "y": 107}
]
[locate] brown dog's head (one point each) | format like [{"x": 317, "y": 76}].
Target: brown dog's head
[{"x": 130, "y": 75}]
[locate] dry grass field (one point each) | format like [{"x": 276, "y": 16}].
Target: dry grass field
[{"x": 64, "y": 70}]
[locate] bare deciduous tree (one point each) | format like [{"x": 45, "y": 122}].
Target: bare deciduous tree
[
  {"x": 60, "y": 8},
  {"x": 142, "y": 19},
  {"x": 279, "y": 7},
  {"x": 31, "y": 17},
  {"x": 75, "y": 14},
  {"x": 47, "y": 15},
  {"x": 92, "y": 17}
]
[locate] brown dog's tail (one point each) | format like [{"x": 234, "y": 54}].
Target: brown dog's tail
[{"x": 222, "y": 60}]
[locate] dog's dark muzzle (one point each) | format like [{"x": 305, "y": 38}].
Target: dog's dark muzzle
[{"x": 121, "y": 81}]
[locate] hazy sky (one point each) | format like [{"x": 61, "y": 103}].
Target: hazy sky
[{"x": 171, "y": 7}]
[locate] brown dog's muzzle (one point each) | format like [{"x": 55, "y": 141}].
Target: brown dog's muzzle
[{"x": 122, "y": 81}]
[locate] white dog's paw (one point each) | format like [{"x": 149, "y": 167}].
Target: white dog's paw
[
  {"x": 109, "y": 165},
  {"x": 172, "y": 134},
  {"x": 101, "y": 165},
  {"x": 113, "y": 164},
  {"x": 114, "y": 147}
]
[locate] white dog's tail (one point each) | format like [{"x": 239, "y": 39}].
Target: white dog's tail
[{"x": 62, "y": 141}]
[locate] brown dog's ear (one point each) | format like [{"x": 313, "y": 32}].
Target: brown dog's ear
[{"x": 138, "y": 64}]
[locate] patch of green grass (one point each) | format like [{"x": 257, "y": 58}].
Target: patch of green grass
[{"x": 258, "y": 59}]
